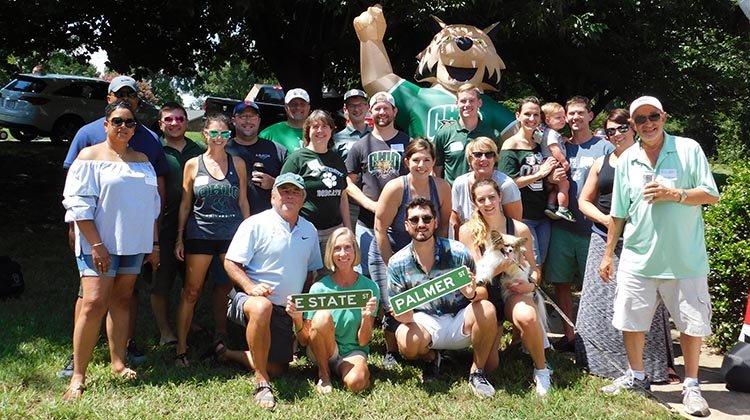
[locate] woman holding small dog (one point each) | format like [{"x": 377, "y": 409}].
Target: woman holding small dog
[
  {"x": 339, "y": 339},
  {"x": 594, "y": 321},
  {"x": 519, "y": 306}
]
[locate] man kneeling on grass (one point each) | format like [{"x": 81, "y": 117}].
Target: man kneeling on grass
[
  {"x": 272, "y": 255},
  {"x": 454, "y": 321}
]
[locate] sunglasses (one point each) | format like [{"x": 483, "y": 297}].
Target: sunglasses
[
  {"x": 487, "y": 155},
  {"x": 640, "y": 119},
  {"x": 611, "y": 131},
  {"x": 414, "y": 220},
  {"x": 216, "y": 133},
  {"x": 119, "y": 122},
  {"x": 170, "y": 120},
  {"x": 127, "y": 94}
]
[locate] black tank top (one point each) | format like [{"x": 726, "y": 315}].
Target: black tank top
[
  {"x": 604, "y": 189},
  {"x": 216, "y": 213}
]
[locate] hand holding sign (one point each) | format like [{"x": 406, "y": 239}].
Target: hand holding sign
[
  {"x": 459, "y": 278},
  {"x": 308, "y": 302},
  {"x": 369, "y": 310}
]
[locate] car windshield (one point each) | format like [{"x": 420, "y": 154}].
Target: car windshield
[{"x": 27, "y": 84}]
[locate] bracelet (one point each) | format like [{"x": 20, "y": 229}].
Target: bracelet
[
  {"x": 297, "y": 331},
  {"x": 473, "y": 297},
  {"x": 156, "y": 243},
  {"x": 97, "y": 244}
]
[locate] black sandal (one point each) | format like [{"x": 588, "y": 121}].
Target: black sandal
[
  {"x": 264, "y": 394},
  {"x": 181, "y": 360}
]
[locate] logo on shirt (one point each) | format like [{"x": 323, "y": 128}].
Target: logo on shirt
[{"x": 384, "y": 164}]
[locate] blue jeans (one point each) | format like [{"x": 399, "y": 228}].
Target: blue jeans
[{"x": 540, "y": 231}]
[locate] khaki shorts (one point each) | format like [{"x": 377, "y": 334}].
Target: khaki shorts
[
  {"x": 447, "y": 331},
  {"x": 687, "y": 301},
  {"x": 335, "y": 361}
]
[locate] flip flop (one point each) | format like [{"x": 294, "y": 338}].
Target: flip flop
[
  {"x": 324, "y": 387},
  {"x": 167, "y": 342},
  {"x": 181, "y": 360},
  {"x": 263, "y": 395},
  {"x": 74, "y": 392},
  {"x": 127, "y": 374}
]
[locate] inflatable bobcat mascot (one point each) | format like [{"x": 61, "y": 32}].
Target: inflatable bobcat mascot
[{"x": 458, "y": 54}]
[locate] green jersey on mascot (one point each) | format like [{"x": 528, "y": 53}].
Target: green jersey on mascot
[{"x": 457, "y": 55}]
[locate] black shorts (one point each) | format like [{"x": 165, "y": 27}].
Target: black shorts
[{"x": 206, "y": 246}]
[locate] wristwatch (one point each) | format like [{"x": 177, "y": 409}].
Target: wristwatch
[{"x": 683, "y": 195}]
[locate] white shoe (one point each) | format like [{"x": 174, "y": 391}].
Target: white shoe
[
  {"x": 694, "y": 403},
  {"x": 543, "y": 380}
]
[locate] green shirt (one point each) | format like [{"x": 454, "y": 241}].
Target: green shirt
[
  {"x": 283, "y": 134},
  {"x": 325, "y": 180},
  {"x": 176, "y": 160},
  {"x": 665, "y": 239},
  {"x": 346, "y": 321},
  {"x": 451, "y": 140}
]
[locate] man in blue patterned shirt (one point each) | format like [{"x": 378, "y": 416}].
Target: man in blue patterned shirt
[{"x": 455, "y": 321}]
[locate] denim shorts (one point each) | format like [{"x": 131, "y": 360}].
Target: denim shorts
[{"x": 121, "y": 264}]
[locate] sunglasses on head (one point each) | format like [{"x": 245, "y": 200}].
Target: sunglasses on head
[
  {"x": 488, "y": 155},
  {"x": 611, "y": 131},
  {"x": 216, "y": 133},
  {"x": 125, "y": 94},
  {"x": 653, "y": 117},
  {"x": 119, "y": 122},
  {"x": 171, "y": 119},
  {"x": 414, "y": 220}
]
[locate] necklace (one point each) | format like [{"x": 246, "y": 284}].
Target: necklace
[{"x": 119, "y": 155}]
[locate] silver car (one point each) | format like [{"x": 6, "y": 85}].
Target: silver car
[{"x": 57, "y": 105}]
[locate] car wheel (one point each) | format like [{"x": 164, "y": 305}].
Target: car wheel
[
  {"x": 65, "y": 129},
  {"x": 23, "y": 135},
  {"x": 3, "y": 135}
]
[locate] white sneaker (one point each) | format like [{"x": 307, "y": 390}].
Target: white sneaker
[
  {"x": 694, "y": 403},
  {"x": 543, "y": 380}
]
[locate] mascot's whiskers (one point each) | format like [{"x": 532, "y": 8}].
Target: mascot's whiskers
[{"x": 508, "y": 251}]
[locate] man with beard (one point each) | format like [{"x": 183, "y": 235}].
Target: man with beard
[
  {"x": 289, "y": 133},
  {"x": 263, "y": 158},
  {"x": 452, "y": 138},
  {"x": 456, "y": 320}
]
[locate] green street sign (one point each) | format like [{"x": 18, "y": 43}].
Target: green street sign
[
  {"x": 431, "y": 290},
  {"x": 308, "y": 302}
]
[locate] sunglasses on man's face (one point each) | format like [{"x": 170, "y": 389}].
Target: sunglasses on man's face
[
  {"x": 414, "y": 220},
  {"x": 487, "y": 155},
  {"x": 653, "y": 117},
  {"x": 611, "y": 131},
  {"x": 119, "y": 122},
  {"x": 216, "y": 133},
  {"x": 125, "y": 94},
  {"x": 170, "y": 119}
]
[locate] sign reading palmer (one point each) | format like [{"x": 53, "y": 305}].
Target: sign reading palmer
[{"x": 431, "y": 290}]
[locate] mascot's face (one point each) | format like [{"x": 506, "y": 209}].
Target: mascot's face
[{"x": 460, "y": 54}]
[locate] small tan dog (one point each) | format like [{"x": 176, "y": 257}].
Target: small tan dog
[{"x": 508, "y": 251}]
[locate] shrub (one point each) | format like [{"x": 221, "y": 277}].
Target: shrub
[{"x": 728, "y": 245}]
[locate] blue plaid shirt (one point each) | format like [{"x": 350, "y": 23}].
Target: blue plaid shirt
[{"x": 405, "y": 273}]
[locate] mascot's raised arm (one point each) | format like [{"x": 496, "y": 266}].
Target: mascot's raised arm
[{"x": 457, "y": 55}]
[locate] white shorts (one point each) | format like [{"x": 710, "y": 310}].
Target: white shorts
[
  {"x": 687, "y": 301},
  {"x": 447, "y": 331},
  {"x": 335, "y": 361}
]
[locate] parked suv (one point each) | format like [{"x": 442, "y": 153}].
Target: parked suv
[{"x": 57, "y": 105}]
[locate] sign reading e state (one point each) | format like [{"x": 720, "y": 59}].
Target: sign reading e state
[
  {"x": 431, "y": 290},
  {"x": 308, "y": 302}
]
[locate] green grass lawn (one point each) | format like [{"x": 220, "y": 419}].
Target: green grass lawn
[{"x": 35, "y": 341}]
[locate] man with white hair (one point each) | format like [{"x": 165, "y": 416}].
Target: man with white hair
[
  {"x": 660, "y": 185},
  {"x": 289, "y": 133}
]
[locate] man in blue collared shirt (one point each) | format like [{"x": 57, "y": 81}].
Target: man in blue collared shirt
[{"x": 454, "y": 321}]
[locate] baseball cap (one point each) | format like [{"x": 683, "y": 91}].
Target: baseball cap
[
  {"x": 645, "y": 100},
  {"x": 352, "y": 93},
  {"x": 289, "y": 178},
  {"x": 120, "y": 82},
  {"x": 296, "y": 93},
  {"x": 241, "y": 106},
  {"x": 382, "y": 97}
]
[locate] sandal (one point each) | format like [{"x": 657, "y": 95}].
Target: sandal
[
  {"x": 324, "y": 387},
  {"x": 263, "y": 395},
  {"x": 74, "y": 392},
  {"x": 181, "y": 360},
  {"x": 673, "y": 377},
  {"x": 127, "y": 374},
  {"x": 217, "y": 349},
  {"x": 166, "y": 342}
]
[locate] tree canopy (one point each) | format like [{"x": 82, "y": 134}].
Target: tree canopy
[{"x": 692, "y": 54}]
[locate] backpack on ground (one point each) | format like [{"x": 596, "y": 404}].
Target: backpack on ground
[{"x": 11, "y": 278}]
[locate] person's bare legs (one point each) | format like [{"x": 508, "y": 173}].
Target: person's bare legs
[
  {"x": 691, "y": 352},
  {"x": 219, "y": 301},
  {"x": 413, "y": 341},
  {"x": 564, "y": 297},
  {"x": 196, "y": 266},
  {"x": 160, "y": 306},
  {"x": 493, "y": 360},
  {"x": 323, "y": 345},
  {"x": 521, "y": 309},
  {"x": 258, "y": 312},
  {"x": 480, "y": 321},
  {"x": 354, "y": 373},
  {"x": 118, "y": 320},
  {"x": 634, "y": 342},
  {"x": 93, "y": 307}
]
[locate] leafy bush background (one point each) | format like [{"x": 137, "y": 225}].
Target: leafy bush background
[{"x": 728, "y": 245}]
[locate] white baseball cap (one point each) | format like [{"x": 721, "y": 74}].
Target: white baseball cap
[
  {"x": 645, "y": 100},
  {"x": 296, "y": 93},
  {"x": 382, "y": 97}
]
